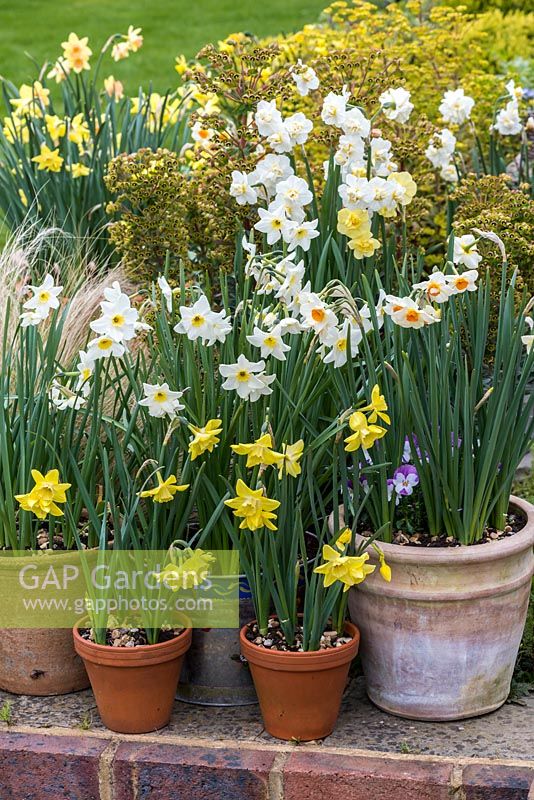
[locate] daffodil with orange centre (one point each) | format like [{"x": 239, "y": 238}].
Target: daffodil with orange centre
[
  {"x": 204, "y": 438},
  {"x": 253, "y": 508},
  {"x": 165, "y": 490}
]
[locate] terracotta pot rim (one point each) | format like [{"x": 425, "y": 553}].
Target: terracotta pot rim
[
  {"x": 301, "y": 662},
  {"x": 132, "y": 656},
  {"x": 489, "y": 551}
]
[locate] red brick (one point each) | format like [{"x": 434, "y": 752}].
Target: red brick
[
  {"x": 166, "y": 772},
  {"x": 42, "y": 767},
  {"x": 496, "y": 782},
  {"x": 308, "y": 776}
]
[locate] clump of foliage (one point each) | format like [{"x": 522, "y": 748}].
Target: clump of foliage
[
  {"x": 148, "y": 188},
  {"x": 492, "y": 204}
]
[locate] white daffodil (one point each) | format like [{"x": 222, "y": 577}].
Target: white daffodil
[
  {"x": 280, "y": 140},
  {"x": 355, "y": 193},
  {"x": 300, "y": 234},
  {"x": 466, "y": 282},
  {"x": 269, "y": 342},
  {"x": 267, "y": 117},
  {"x": 456, "y": 106},
  {"x": 340, "y": 340},
  {"x": 118, "y": 318},
  {"x": 160, "y": 400},
  {"x": 508, "y": 122},
  {"x": 293, "y": 194},
  {"x": 271, "y": 222},
  {"x": 407, "y": 313},
  {"x": 396, "y": 104},
  {"x": 465, "y": 251},
  {"x": 381, "y": 157},
  {"x": 63, "y": 398},
  {"x": 166, "y": 291},
  {"x": 355, "y": 123},
  {"x": 350, "y": 149},
  {"x": 85, "y": 367},
  {"x": 335, "y": 108},
  {"x": 441, "y": 148},
  {"x": 199, "y": 322},
  {"x": 44, "y": 299},
  {"x": 382, "y": 195},
  {"x": 298, "y": 127},
  {"x": 201, "y": 134},
  {"x": 305, "y": 79},
  {"x": 241, "y": 189},
  {"x": 28, "y": 318},
  {"x": 264, "y": 389},
  {"x": 528, "y": 338},
  {"x": 436, "y": 288},
  {"x": 316, "y": 314},
  {"x": 515, "y": 92},
  {"x": 104, "y": 347},
  {"x": 449, "y": 173},
  {"x": 269, "y": 171},
  {"x": 243, "y": 377}
]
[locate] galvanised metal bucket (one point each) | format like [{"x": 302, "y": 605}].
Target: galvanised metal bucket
[{"x": 214, "y": 673}]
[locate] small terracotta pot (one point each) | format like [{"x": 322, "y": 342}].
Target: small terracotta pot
[
  {"x": 40, "y": 662},
  {"x": 134, "y": 687},
  {"x": 300, "y": 693},
  {"x": 440, "y": 641}
]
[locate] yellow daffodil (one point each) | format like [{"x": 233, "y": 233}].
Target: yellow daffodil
[
  {"x": 407, "y": 183},
  {"x": 31, "y": 100},
  {"x": 349, "y": 570},
  {"x": 165, "y": 490},
  {"x": 353, "y": 223},
  {"x": 364, "y": 245},
  {"x": 377, "y": 406},
  {"x": 48, "y": 159},
  {"x": 78, "y": 170},
  {"x": 55, "y": 126},
  {"x": 205, "y": 438},
  {"x": 365, "y": 434},
  {"x": 253, "y": 507},
  {"x": 260, "y": 452},
  {"x": 385, "y": 569},
  {"x": 45, "y": 495},
  {"x": 76, "y": 52},
  {"x": 190, "y": 571},
  {"x": 344, "y": 538},
  {"x": 289, "y": 458}
]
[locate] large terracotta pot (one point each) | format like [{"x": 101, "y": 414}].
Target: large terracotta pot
[
  {"x": 440, "y": 641},
  {"x": 134, "y": 687},
  {"x": 300, "y": 693},
  {"x": 39, "y": 661}
]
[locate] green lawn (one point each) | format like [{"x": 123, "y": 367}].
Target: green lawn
[{"x": 170, "y": 27}]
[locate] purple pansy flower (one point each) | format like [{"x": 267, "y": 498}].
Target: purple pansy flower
[{"x": 405, "y": 478}]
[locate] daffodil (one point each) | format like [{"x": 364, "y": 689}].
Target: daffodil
[
  {"x": 365, "y": 433},
  {"x": 204, "y": 438},
  {"x": 253, "y": 508},
  {"x": 45, "y": 495},
  {"x": 48, "y": 160},
  {"x": 349, "y": 570},
  {"x": 165, "y": 490},
  {"x": 260, "y": 452},
  {"x": 353, "y": 223},
  {"x": 385, "y": 569},
  {"x": 189, "y": 573},
  {"x": 344, "y": 538},
  {"x": 76, "y": 52},
  {"x": 377, "y": 406},
  {"x": 289, "y": 458}
]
